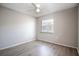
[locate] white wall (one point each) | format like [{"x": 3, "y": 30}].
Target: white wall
[
  {"x": 15, "y": 28},
  {"x": 65, "y": 27}
]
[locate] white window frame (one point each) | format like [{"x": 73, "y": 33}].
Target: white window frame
[{"x": 50, "y": 22}]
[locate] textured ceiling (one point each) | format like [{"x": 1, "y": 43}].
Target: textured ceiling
[{"x": 46, "y": 8}]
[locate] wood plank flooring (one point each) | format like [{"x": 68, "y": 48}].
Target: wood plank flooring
[{"x": 39, "y": 48}]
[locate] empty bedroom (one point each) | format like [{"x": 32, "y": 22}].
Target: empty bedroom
[{"x": 39, "y": 29}]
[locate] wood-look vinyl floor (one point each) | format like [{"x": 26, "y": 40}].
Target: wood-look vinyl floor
[{"x": 39, "y": 48}]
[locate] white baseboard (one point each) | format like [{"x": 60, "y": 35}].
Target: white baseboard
[
  {"x": 33, "y": 40},
  {"x": 16, "y": 44},
  {"x": 58, "y": 43}
]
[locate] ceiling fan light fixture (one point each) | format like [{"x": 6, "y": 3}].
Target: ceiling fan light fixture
[{"x": 37, "y": 10}]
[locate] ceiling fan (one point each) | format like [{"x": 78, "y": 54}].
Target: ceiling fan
[{"x": 37, "y": 7}]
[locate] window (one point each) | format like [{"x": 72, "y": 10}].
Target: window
[{"x": 48, "y": 25}]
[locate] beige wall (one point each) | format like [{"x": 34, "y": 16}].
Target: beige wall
[
  {"x": 65, "y": 27},
  {"x": 15, "y": 28},
  {"x": 78, "y": 29}
]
